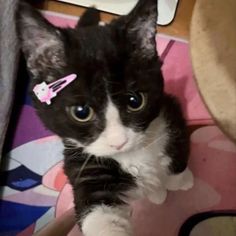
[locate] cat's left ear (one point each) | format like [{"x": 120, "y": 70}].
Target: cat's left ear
[
  {"x": 139, "y": 27},
  {"x": 41, "y": 42}
]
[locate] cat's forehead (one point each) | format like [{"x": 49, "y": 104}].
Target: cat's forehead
[
  {"x": 92, "y": 54},
  {"x": 91, "y": 43}
]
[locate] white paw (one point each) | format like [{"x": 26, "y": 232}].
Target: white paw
[
  {"x": 107, "y": 221},
  {"x": 158, "y": 197},
  {"x": 182, "y": 181},
  {"x": 111, "y": 232},
  {"x": 187, "y": 181},
  {"x": 108, "y": 233}
]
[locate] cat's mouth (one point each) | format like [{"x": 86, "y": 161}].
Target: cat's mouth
[
  {"x": 121, "y": 145},
  {"x": 105, "y": 149}
]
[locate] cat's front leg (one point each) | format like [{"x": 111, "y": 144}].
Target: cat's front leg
[
  {"x": 101, "y": 194},
  {"x": 177, "y": 148},
  {"x": 103, "y": 220}
]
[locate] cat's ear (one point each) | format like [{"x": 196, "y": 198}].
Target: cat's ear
[
  {"x": 140, "y": 28},
  {"x": 89, "y": 18},
  {"x": 41, "y": 42}
]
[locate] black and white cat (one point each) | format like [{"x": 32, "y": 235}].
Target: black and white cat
[{"x": 124, "y": 137}]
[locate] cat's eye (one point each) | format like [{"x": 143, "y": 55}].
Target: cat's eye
[
  {"x": 136, "y": 101},
  {"x": 81, "y": 113}
]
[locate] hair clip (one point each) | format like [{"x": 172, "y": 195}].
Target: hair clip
[{"x": 45, "y": 92}]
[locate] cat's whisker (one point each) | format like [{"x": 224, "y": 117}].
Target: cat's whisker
[
  {"x": 131, "y": 84},
  {"x": 72, "y": 147},
  {"x": 78, "y": 96},
  {"x": 99, "y": 161},
  {"x": 148, "y": 140},
  {"x": 83, "y": 166},
  {"x": 75, "y": 155},
  {"x": 112, "y": 82},
  {"x": 139, "y": 124},
  {"x": 117, "y": 93},
  {"x": 154, "y": 141}
]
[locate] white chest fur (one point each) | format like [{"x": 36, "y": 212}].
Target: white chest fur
[{"x": 148, "y": 163}]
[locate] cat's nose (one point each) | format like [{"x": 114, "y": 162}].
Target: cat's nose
[{"x": 119, "y": 146}]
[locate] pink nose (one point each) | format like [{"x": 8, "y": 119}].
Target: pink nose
[{"x": 120, "y": 146}]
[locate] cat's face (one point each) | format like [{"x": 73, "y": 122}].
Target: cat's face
[{"x": 119, "y": 88}]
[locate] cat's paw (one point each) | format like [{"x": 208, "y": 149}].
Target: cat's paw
[
  {"x": 158, "y": 197},
  {"x": 188, "y": 181},
  {"x": 107, "y": 221},
  {"x": 183, "y": 181},
  {"x": 113, "y": 233},
  {"x": 108, "y": 232}
]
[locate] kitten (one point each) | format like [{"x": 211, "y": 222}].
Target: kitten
[{"x": 124, "y": 137}]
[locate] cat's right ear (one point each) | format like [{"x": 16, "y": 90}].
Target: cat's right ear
[
  {"x": 40, "y": 41},
  {"x": 138, "y": 29}
]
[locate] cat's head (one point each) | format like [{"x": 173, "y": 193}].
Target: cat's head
[{"x": 119, "y": 88}]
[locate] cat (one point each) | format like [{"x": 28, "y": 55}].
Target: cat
[{"x": 124, "y": 137}]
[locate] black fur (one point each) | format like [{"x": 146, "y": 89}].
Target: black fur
[
  {"x": 108, "y": 60},
  {"x": 178, "y": 147},
  {"x": 96, "y": 181}
]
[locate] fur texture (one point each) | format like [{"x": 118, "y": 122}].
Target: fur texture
[{"x": 120, "y": 153}]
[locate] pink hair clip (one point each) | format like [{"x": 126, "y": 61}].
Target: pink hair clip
[{"x": 45, "y": 92}]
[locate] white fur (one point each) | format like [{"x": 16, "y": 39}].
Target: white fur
[
  {"x": 114, "y": 135},
  {"x": 146, "y": 31},
  {"x": 143, "y": 156},
  {"x": 102, "y": 23},
  {"x": 52, "y": 47},
  {"x": 149, "y": 164},
  {"x": 45, "y": 48},
  {"x": 107, "y": 221},
  {"x": 147, "y": 46},
  {"x": 182, "y": 181}
]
